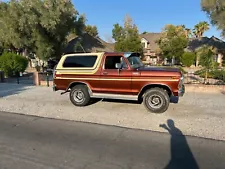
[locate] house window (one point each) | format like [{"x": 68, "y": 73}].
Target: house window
[{"x": 143, "y": 45}]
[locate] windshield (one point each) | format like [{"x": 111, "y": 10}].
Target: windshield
[{"x": 135, "y": 61}]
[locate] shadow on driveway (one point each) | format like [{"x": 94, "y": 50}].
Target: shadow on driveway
[
  {"x": 8, "y": 89},
  {"x": 181, "y": 155}
]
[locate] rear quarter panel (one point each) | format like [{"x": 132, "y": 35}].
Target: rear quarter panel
[{"x": 66, "y": 76}]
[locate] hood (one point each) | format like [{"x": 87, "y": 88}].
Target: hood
[{"x": 160, "y": 69}]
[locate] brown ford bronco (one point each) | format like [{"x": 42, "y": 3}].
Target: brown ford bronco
[{"x": 117, "y": 76}]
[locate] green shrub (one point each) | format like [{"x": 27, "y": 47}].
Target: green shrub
[
  {"x": 12, "y": 64},
  {"x": 199, "y": 72},
  {"x": 223, "y": 63},
  {"x": 1, "y": 50},
  {"x": 188, "y": 58},
  {"x": 215, "y": 74},
  {"x": 218, "y": 74}
]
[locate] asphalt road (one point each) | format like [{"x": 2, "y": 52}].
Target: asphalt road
[{"x": 28, "y": 142}]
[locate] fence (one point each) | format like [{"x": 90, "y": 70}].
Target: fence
[
  {"x": 43, "y": 79},
  {"x": 36, "y": 78},
  {"x": 24, "y": 79}
]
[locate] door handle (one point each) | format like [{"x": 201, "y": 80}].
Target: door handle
[{"x": 105, "y": 73}]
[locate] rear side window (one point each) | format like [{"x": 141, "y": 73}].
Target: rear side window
[{"x": 80, "y": 61}]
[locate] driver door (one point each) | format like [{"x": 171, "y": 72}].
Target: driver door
[{"x": 113, "y": 80}]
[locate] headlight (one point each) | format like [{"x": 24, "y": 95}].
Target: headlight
[
  {"x": 182, "y": 78},
  {"x": 181, "y": 82}
]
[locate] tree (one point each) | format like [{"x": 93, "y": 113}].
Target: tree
[
  {"x": 92, "y": 30},
  {"x": 188, "y": 33},
  {"x": 188, "y": 59},
  {"x": 127, "y": 37},
  {"x": 172, "y": 42},
  {"x": 38, "y": 26},
  {"x": 205, "y": 54},
  {"x": 1, "y": 48},
  {"x": 12, "y": 64},
  {"x": 215, "y": 10},
  {"x": 200, "y": 29},
  {"x": 79, "y": 26},
  {"x": 223, "y": 62},
  {"x": 186, "y": 30}
]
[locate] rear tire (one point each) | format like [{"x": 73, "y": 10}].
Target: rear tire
[
  {"x": 80, "y": 96},
  {"x": 156, "y": 100}
]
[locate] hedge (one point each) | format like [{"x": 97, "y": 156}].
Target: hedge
[{"x": 12, "y": 64}]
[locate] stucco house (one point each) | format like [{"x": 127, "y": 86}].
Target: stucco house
[
  {"x": 215, "y": 42},
  {"x": 151, "y": 48}
]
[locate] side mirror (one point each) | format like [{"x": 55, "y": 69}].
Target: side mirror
[{"x": 118, "y": 65}]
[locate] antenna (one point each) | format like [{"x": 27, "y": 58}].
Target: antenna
[{"x": 79, "y": 40}]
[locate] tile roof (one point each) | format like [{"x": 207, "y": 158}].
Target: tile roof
[{"x": 195, "y": 43}]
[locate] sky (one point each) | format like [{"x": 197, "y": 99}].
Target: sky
[{"x": 148, "y": 15}]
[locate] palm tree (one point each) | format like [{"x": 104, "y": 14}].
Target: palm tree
[
  {"x": 183, "y": 30},
  {"x": 195, "y": 32},
  {"x": 200, "y": 29}
]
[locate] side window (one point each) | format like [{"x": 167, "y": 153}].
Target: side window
[
  {"x": 79, "y": 61},
  {"x": 110, "y": 62}
]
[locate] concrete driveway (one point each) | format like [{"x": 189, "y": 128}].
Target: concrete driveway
[{"x": 198, "y": 113}]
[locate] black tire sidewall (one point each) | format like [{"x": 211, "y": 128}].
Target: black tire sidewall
[
  {"x": 85, "y": 92},
  {"x": 162, "y": 94}
]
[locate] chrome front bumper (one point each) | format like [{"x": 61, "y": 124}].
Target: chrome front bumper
[{"x": 181, "y": 91}]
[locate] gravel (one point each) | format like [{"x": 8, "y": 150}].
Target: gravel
[{"x": 199, "y": 114}]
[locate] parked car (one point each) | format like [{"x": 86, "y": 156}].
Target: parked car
[{"x": 117, "y": 76}]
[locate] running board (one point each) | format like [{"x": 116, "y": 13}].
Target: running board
[{"x": 114, "y": 96}]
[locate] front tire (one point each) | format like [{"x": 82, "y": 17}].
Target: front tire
[
  {"x": 156, "y": 100},
  {"x": 80, "y": 96}
]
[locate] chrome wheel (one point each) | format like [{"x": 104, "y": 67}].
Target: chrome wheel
[
  {"x": 78, "y": 96},
  {"x": 155, "y": 101}
]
